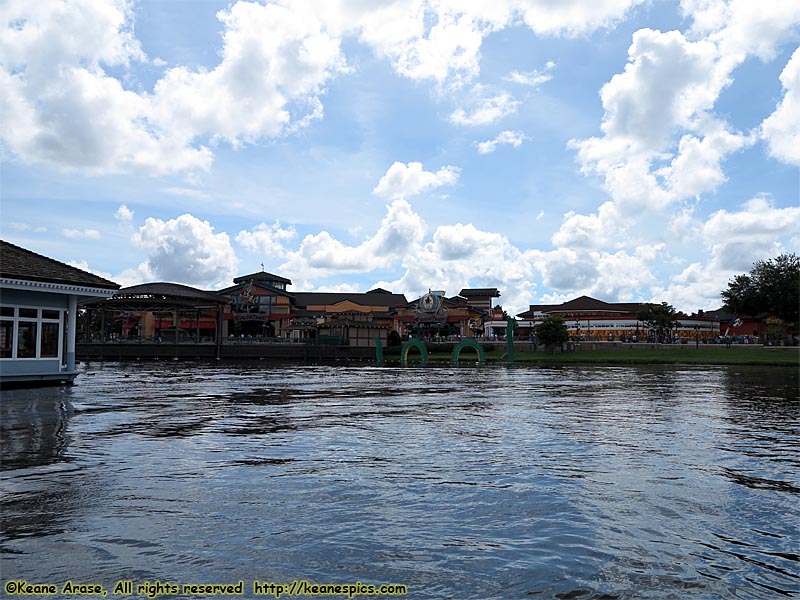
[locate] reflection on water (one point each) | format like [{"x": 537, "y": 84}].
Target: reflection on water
[{"x": 458, "y": 482}]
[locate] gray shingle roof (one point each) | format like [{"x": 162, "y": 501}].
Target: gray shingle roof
[
  {"x": 166, "y": 290},
  {"x": 19, "y": 263},
  {"x": 262, "y": 276}
]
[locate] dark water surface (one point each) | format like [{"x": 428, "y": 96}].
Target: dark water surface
[{"x": 599, "y": 482}]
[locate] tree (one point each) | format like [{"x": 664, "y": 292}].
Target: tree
[
  {"x": 772, "y": 286},
  {"x": 394, "y": 339},
  {"x": 551, "y": 331},
  {"x": 661, "y": 317}
]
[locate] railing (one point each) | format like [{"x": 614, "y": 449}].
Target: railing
[{"x": 323, "y": 340}]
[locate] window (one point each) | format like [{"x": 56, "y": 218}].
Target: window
[
  {"x": 27, "y": 339},
  {"x": 6, "y": 339},
  {"x": 30, "y": 332},
  {"x": 49, "y": 340}
]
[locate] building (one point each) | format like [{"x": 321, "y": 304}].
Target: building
[
  {"x": 434, "y": 316},
  {"x": 157, "y": 312},
  {"x": 355, "y": 318},
  {"x": 480, "y": 298},
  {"x": 587, "y": 319},
  {"x": 260, "y": 307},
  {"x": 39, "y": 300}
]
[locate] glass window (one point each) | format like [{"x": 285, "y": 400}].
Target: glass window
[
  {"x": 6, "y": 338},
  {"x": 6, "y": 311},
  {"x": 49, "y": 340},
  {"x": 50, "y": 314},
  {"x": 27, "y": 340},
  {"x": 29, "y": 313}
]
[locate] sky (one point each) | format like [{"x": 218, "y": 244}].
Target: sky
[{"x": 629, "y": 150}]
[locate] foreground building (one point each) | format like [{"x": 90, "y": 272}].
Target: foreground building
[{"x": 39, "y": 300}]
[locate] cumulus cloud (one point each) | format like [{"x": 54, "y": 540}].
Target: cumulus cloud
[
  {"x": 71, "y": 101},
  {"x": 320, "y": 255},
  {"x": 66, "y": 110},
  {"x": 406, "y": 180},
  {"x": 185, "y": 250},
  {"x": 781, "y": 129},
  {"x": 734, "y": 237},
  {"x": 734, "y": 240},
  {"x": 267, "y": 83},
  {"x": 62, "y": 108},
  {"x": 267, "y": 240},
  {"x": 124, "y": 214},
  {"x": 512, "y": 138},
  {"x": 462, "y": 255},
  {"x": 572, "y": 17}
]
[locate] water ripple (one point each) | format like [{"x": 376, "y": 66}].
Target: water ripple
[{"x": 570, "y": 483}]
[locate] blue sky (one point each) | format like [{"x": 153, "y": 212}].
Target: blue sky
[{"x": 624, "y": 149}]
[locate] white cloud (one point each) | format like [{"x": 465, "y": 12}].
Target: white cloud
[
  {"x": 185, "y": 250},
  {"x": 572, "y": 17},
  {"x": 406, "y": 180},
  {"x": 667, "y": 83},
  {"x": 734, "y": 240},
  {"x": 124, "y": 214},
  {"x": 533, "y": 78},
  {"x": 267, "y": 240},
  {"x": 736, "y": 237},
  {"x": 68, "y": 102},
  {"x": 485, "y": 110},
  {"x": 320, "y": 255},
  {"x": 267, "y": 83},
  {"x": 84, "y": 266},
  {"x": 781, "y": 129},
  {"x": 26, "y": 227},
  {"x": 512, "y": 138},
  {"x": 89, "y": 234},
  {"x": 64, "y": 109},
  {"x": 742, "y": 27}
]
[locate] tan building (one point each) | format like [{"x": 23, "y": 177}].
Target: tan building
[{"x": 260, "y": 307}]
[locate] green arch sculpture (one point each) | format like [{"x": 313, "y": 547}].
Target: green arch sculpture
[
  {"x": 467, "y": 344},
  {"x": 512, "y": 325},
  {"x": 378, "y": 349},
  {"x": 415, "y": 344}
]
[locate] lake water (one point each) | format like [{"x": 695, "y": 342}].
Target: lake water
[{"x": 457, "y": 482}]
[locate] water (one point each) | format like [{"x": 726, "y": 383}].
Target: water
[{"x": 490, "y": 482}]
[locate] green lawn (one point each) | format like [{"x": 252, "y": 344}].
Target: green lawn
[{"x": 625, "y": 356}]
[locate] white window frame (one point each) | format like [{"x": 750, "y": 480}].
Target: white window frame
[{"x": 39, "y": 320}]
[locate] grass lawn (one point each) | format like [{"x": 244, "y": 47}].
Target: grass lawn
[{"x": 627, "y": 356}]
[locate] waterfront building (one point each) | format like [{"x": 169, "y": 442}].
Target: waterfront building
[
  {"x": 154, "y": 312},
  {"x": 434, "y": 316},
  {"x": 39, "y": 300},
  {"x": 355, "y": 318},
  {"x": 588, "y": 318},
  {"x": 480, "y": 298},
  {"x": 260, "y": 307}
]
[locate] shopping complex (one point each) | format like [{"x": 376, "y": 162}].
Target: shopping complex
[{"x": 49, "y": 307}]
